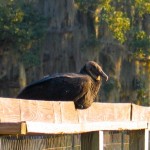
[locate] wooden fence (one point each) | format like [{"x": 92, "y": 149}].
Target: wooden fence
[{"x": 31, "y": 117}]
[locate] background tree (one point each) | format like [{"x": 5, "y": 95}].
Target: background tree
[
  {"x": 122, "y": 23},
  {"x": 112, "y": 33},
  {"x": 22, "y": 29}
]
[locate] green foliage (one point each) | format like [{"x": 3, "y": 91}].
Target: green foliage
[
  {"x": 118, "y": 25},
  {"x": 139, "y": 40},
  {"x": 116, "y": 20},
  {"x": 31, "y": 58},
  {"x": 21, "y": 26},
  {"x": 123, "y": 20},
  {"x": 140, "y": 43},
  {"x": 142, "y": 96},
  {"x": 140, "y": 87},
  {"x": 142, "y": 7}
]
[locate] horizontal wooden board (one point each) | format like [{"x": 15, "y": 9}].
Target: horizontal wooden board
[
  {"x": 140, "y": 113},
  {"x": 37, "y": 111},
  {"x": 15, "y": 110},
  {"x": 105, "y": 112},
  {"x": 48, "y": 128},
  {"x": 9, "y": 110},
  {"x": 13, "y": 128},
  {"x": 62, "y": 117}
]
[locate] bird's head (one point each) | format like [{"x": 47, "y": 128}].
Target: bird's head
[{"x": 94, "y": 70}]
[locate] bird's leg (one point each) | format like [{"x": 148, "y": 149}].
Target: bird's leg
[
  {"x": 79, "y": 102},
  {"x": 79, "y": 106}
]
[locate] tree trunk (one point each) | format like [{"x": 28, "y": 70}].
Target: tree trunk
[{"x": 22, "y": 75}]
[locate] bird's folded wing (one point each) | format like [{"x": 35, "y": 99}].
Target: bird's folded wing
[{"x": 64, "y": 87}]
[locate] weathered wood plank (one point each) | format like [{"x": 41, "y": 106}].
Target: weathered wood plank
[
  {"x": 83, "y": 115},
  {"x": 109, "y": 112},
  {"x": 140, "y": 113},
  {"x": 62, "y": 117},
  {"x": 9, "y": 110},
  {"x": 13, "y": 128},
  {"x": 32, "y": 110},
  {"x": 50, "y": 128},
  {"x": 57, "y": 112},
  {"x": 69, "y": 113},
  {"x": 37, "y": 111},
  {"x": 29, "y": 110},
  {"x": 105, "y": 112},
  {"x": 45, "y": 111}
]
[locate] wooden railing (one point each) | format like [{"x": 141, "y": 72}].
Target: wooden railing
[{"x": 28, "y": 117}]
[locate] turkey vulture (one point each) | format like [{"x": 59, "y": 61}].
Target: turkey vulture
[{"x": 82, "y": 87}]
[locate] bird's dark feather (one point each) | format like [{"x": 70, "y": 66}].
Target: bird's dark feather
[{"x": 57, "y": 87}]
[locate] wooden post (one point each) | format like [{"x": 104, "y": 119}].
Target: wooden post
[
  {"x": 146, "y": 139},
  {"x": 101, "y": 140},
  {"x": 92, "y": 140}
]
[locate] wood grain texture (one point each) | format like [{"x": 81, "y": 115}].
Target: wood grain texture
[
  {"x": 69, "y": 113},
  {"x": 108, "y": 112},
  {"x": 9, "y": 110},
  {"x": 61, "y": 112},
  {"x": 37, "y": 111},
  {"x": 13, "y": 128},
  {"x": 57, "y": 112},
  {"x": 29, "y": 110},
  {"x": 140, "y": 113},
  {"x": 40, "y": 127},
  {"x": 62, "y": 117}
]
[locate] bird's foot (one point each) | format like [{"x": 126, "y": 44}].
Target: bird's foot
[{"x": 79, "y": 106}]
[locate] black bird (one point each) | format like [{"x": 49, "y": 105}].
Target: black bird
[{"x": 82, "y": 87}]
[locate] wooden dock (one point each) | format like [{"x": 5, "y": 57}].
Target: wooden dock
[{"x": 31, "y": 117}]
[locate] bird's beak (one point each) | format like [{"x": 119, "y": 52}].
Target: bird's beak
[
  {"x": 98, "y": 78},
  {"x": 103, "y": 74}
]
